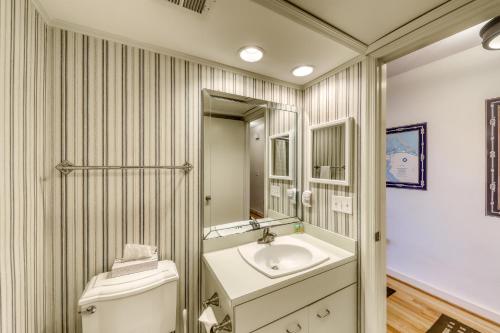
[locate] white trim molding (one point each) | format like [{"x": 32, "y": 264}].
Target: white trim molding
[
  {"x": 446, "y": 296},
  {"x": 372, "y": 210},
  {"x": 442, "y": 22},
  {"x": 309, "y": 21}
]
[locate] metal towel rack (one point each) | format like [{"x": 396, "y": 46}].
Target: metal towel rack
[{"x": 66, "y": 167}]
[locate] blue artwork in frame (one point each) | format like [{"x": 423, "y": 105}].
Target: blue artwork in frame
[{"x": 406, "y": 157}]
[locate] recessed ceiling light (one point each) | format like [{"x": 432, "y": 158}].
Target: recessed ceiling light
[
  {"x": 251, "y": 53},
  {"x": 490, "y": 34},
  {"x": 303, "y": 70}
]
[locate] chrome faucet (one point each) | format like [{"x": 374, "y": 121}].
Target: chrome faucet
[
  {"x": 267, "y": 237},
  {"x": 255, "y": 225}
]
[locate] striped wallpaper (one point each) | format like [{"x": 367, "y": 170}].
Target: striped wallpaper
[
  {"x": 115, "y": 104},
  {"x": 65, "y": 95},
  {"x": 281, "y": 121},
  {"x": 24, "y": 135},
  {"x": 338, "y": 96}
]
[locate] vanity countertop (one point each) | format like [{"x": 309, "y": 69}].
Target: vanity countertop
[{"x": 241, "y": 282}]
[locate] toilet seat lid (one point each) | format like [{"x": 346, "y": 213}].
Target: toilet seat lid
[{"x": 104, "y": 287}]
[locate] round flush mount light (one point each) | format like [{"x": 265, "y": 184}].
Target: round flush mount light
[
  {"x": 303, "y": 70},
  {"x": 251, "y": 53},
  {"x": 490, "y": 34}
]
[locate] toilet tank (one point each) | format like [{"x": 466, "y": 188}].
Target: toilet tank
[{"x": 134, "y": 303}]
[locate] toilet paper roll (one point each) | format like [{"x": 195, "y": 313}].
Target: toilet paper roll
[{"x": 208, "y": 319}]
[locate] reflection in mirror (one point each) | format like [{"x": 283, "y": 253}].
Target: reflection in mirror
[
  {"x": 280, "y": 157},
  {"x": 330, "y": 152},
  {"x": 238, "y": 136}
]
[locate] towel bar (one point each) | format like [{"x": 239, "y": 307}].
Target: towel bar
[
  {"x": 224, "y": 326},
  {"x": 213, "y": 300}
]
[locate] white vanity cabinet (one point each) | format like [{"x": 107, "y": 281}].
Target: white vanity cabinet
[
  {"x": 334, "y": 314},
  {"x": 322, "y": 299}
]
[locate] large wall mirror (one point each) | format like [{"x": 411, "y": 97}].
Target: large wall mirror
[
  {"x": 249, "y": 162},
  {"x": 330, "y": 152}
]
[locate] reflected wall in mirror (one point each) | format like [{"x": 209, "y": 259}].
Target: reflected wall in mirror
[
  {"x": 331, "y": 152},
  {"x": 239, "y": 133},
  {"x": 281, "y": 156}
]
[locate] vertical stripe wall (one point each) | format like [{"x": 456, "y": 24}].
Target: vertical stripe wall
[
  {"x": 91, "y": 101},
  {"x": 118, "y": 105},
  {"x": 336, "y": 97},
  {"x": 24, "y": 135}
]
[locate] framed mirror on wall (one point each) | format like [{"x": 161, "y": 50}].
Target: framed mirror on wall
[
  {"x": 330, "y": 152},
  {"x": 249, "y": 161}
]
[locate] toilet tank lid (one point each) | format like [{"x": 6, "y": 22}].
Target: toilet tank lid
[{"x": 103, "y": 287}]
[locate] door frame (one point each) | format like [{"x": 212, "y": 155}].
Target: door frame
[{"x": 417, "y": 34}]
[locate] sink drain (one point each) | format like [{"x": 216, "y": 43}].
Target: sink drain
[{"x": 275, "y": 267}]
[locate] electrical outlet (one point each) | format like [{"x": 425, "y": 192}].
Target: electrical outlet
[
  {"x": 275, "y": 191},
  {"x": 342, "y": 204}
]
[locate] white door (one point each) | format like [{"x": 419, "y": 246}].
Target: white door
[
  {"x": 257, "y": 142},
  {"x": 225, "y": 170}
]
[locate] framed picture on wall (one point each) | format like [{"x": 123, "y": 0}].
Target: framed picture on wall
[
  {"x": 492, "y": 154},
  {"x": 406, "y": 157}
]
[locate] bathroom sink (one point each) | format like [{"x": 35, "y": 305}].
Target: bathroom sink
[{"x": 286, "y": 255}]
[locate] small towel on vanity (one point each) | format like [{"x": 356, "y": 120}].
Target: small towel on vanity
[{"x": 208, "y": 319}]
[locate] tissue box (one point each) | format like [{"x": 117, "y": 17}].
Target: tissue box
[{"x": 120, "y": 268}]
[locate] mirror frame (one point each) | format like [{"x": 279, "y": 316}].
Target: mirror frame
[
  {"x": 291, "y": 155},
  {"x": 347, "y": 149}
]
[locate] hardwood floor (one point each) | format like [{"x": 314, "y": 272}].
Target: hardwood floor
[{"x": 410, "y": 310}]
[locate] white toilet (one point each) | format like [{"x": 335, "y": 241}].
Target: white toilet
[{"x": 134, "y": 303}]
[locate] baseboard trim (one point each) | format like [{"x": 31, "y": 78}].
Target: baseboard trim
[{"x": 473, "y": 308}]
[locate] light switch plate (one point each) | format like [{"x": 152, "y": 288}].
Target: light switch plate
[
  {"x": 336, "y": 203},
  {"x": 275, "y": 191},
  {"x": 346, "y": 205},
  {"x": 342, "y": 204}
]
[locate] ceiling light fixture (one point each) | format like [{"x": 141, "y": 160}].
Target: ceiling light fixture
[
  {"x": 303, "y": 70},
  {"x": 490, "y": 34},
  {"x": 251, "y": 53}
]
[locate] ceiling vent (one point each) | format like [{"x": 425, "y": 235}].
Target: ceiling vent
[{"x": 198, "y": 6}]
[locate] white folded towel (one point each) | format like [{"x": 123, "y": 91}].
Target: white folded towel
[
  {"x": 324, "y": 172},
  {"x": 208, "y": 319},
  {"x": 137, "y": 252}
]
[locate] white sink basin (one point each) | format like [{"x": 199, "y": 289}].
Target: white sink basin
[{"x": 286, "y": 255}]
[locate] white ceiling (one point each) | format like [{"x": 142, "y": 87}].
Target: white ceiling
[
  {"x": 216, "y": 35},
  {"x": 367, "y": 20},
  {"x": 457, "y": 43}
]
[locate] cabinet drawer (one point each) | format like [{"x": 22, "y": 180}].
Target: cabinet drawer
[
  {"x": 263, "y": 310},
  {"x": 297, "y": 322},
  {"x": 336, "y": 313}
]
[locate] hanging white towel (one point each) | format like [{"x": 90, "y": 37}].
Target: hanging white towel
[
  {"x": 208, "y": 319},
  {"x": 324, "y": 172}
]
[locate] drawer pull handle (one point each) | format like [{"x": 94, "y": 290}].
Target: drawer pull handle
[
  {"x": 323, "y": 315},
  {"x": 299, "y": 328}
]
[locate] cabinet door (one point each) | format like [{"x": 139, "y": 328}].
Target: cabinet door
[
  {"x": 336, "y": 313},
  {"x": 296, "y": 322}
]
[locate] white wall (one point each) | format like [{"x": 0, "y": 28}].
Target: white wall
[{"x": 440, "y": 239}]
